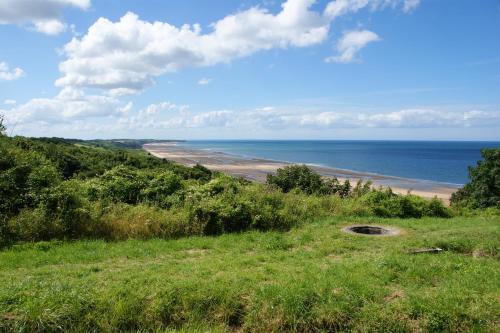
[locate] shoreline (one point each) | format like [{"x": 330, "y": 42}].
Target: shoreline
[{"x": 256, "y": 169}]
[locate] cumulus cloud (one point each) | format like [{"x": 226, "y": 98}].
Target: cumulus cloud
[
  {"x": 204, "y": 81},
  {"x": 130, "y": 53},
  {"x": 351, "y": 43},
  {"x": 42, "y": 15},
  {"x": 7, "y": 74},
  {"x": 69, "y": 105}
]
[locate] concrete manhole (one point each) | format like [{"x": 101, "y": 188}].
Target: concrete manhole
[{"x": 372, "y": 230}]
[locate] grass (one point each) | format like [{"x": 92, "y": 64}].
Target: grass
[{"x": 312, "y": 278}]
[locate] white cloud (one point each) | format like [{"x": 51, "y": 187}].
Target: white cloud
[
  {"x": 204, "y": 81},
  {"x": 6, "y": 74},
  {"x": 274, "y": 118},
  {"x": 43, "y": 15},
  {"x": 161, "y": 115},
  {"x": 351, "y": 43},
  {"x": 69, "y": 105},
  {"x": 222, "y": 118},
  {"x": 410, "y": 5},
  {"x": 338, "y": 8},
  {"x": 50, "y": 27},
  {"x": 130, "y": 53},
  {"x": 408, "y": 118},
  {"x": 9, "y": 102}
]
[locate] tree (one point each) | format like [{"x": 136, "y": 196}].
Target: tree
[
  {"x": 483, "y": 190},
  {"x": 296, "y": 176}
]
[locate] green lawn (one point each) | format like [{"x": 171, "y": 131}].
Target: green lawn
[{"x": 312, "y": 278}]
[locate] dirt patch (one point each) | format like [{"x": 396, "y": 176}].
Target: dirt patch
[{"x": 395, "y": 295}]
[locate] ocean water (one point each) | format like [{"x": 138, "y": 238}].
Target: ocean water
[{"x": 438, "y": 161}]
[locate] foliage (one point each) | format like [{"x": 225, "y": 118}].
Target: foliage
[
  {"x": 68, "y": 189},
  {"x": 385, "y": 203},
  {"x": 303, "y": 178},
  {"x": 483, "y": 190}
]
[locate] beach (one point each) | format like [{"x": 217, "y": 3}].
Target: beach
[{"x": 256, "y": 169}]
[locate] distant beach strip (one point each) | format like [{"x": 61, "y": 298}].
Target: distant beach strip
[{"x": 257, "y": 169}]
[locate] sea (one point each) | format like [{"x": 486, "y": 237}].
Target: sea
[{"x": 437, "y": 161}]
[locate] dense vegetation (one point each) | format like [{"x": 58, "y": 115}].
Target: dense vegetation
[
  {"x": 67, "y": 189},
  {"x": 484, "y": 187}
]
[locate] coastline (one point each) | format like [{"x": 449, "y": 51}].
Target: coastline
[{"x": 256, "y": 169}]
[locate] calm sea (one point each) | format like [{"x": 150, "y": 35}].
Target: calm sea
[{"x": 428, "y": 160}]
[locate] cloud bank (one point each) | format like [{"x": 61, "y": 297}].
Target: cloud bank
[{"x": 170, "y": 116}]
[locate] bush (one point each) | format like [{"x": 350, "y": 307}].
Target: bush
[
  {"x": 385, "y": 203},
  {"x": 160, "y": 188},
  {"x": 221, "y": 215},
  {"x": 483, "y": 190},
  {"x": 24, "y": 177},
  {"x": 303, "y": 178},
  {"x": 120, "y": 184},
  {"x": 67, "y": 205},
  {"x": 199, "y": 172},
  {"x": 296, "y": 176}
]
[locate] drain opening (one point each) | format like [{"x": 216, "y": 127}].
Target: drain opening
[{"x": 371, "y": 230}]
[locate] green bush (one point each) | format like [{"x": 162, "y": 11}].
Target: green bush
[
  {"x": 385, "y": 203},
  {"x": 68, "y": 206},
  {"x": 221, "y": 215},
  {"x": 296, "y": 176},
  {"x": 483, "y": 190},
  {"x": 160, "y": 188},
  {"x": 303, "y": 178},
  {"x": 24, "y": 177},
  {"x": 120, "y": 184}
]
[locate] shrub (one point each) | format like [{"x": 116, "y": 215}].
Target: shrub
[
  {"x": 221, "y": 215},
  {"x": 296, "y": 176},
  {"x": 200, "y": 173},
  {"x": 24, "y": 177},
  {"x": 385, "y": 203},
  {"x": 333, "y": 186},
  {"x": 120, "y": 184},
  {"x": 161, "y": 187},
  {"x": 483, "y": 190},
  {"x": 68, "y": 206}
]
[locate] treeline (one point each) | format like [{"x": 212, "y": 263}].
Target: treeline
[{"x": 69, "y": 189}]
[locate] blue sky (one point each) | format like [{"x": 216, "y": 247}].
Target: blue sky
[{"x": 289, "y": 69}]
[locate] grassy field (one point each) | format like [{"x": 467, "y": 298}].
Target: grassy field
[{"x": 312, "y": 278}]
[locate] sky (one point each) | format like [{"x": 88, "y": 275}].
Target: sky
[{"x": 253, "y": 69}]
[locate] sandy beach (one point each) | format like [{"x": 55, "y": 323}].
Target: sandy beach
[{"x": 257, "y": 169}]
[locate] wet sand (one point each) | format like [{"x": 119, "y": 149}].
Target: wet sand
[{"x": 257, "y": 170}]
